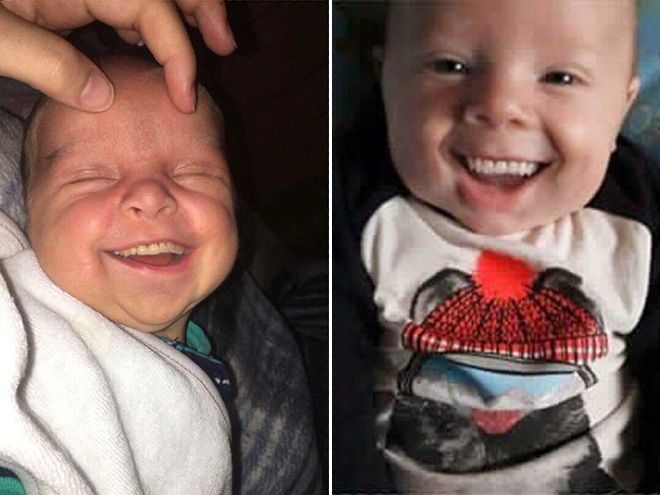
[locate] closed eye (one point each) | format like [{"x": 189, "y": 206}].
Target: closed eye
[
  {"x": 90, "y": 177},
  {"x": 68, "y": 173},
  {"x": 80, "y": 180},
  {"x": 203, "y": 179},
  {"x": 195, "y": 171},
  {"x": 198, "y": 174},
  {"x": 207, "y": 168}
]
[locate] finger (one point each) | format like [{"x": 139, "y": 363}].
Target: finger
[
  {"x": 50, "y": 64},
  {"x": 163, "y": 33},
  {"x": 51, "y": 14},
  {"x": 190, "y": 20},
  {"x": 129, "y": 36},
  {"x": 211, "y": 17}
]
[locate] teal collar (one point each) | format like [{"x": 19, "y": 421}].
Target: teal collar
[{"x": 196, "y": 340}]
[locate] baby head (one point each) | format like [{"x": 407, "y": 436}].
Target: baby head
[
  {"x": 131, "y": 210},
  {"x": 504, "y": 114}
]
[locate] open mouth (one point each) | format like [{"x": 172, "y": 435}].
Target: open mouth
[
  {"x": 505, "y": 172},
  {"x": 161, "y": 254}
]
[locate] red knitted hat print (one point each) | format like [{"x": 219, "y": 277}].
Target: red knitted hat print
[{"x": 506, "y": 308}]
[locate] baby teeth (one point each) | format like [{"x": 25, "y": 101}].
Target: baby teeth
[
  {"x": 151, "y": 249},
  {"x": 502, "y": 167}
]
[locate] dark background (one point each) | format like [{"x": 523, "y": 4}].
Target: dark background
[{"x": 274, "y": 92}]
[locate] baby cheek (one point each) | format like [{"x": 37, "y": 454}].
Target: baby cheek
[
  {"x": 578, "y": 186},
  {"x": 84, "y": 226},
  {"x": 217, "y": 228},
  {"x": 590, "y": 137},
  {"x": 414, "y": 145},
  {"x": 227, "y": 237},
  {"x": 218, "y": 260},
  {"x": 212, "y": 215}
]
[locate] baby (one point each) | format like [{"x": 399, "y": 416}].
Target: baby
[
  {"x": 146, "y": 196},
  {"x": 513, "y": 266},
  {"x": 130, "y": 212}
]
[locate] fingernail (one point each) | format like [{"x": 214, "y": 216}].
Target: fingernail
[{"x": 97, "y": 93}]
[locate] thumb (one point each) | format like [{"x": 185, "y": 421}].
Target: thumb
[{"x": 50, "y": 64}]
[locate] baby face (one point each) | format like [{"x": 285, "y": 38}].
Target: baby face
[
  {"x": 131, "y": 209},
  {"x": 504, "y": 116}
]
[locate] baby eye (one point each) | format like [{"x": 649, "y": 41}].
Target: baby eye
[
  {"x": 90, "y": 177},
  {"x": 448, "y": 66},
  {"x": 560, "y": 78},
  {"x": 203, "y": 178},
  {"x": 87, "y": 185},
  {"x": 202, "y": 173}
]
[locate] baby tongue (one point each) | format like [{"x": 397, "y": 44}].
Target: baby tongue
[{"x": 162, "y": 259}]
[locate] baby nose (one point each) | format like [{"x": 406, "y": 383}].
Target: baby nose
[
  {"x": 496, "y": 101},
  {"x": 149, "y": 199}
]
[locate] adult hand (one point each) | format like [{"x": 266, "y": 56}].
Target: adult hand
[{"x": 31, "y": 53}]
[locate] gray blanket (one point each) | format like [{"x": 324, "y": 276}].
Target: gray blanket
[{"x": 11, "y": 195}]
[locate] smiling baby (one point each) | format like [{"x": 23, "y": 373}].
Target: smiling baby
[
  {"x": 131, "y": 211},
  {"x": 509, "y": 239},
  {"x": 131, "y": 224}
]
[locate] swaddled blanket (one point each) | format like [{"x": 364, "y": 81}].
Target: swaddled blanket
[{"x": 89, "y": 407}]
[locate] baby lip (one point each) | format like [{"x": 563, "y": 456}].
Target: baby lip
[
  {"x": 503, "y": 147},
  {"x": 158, "y": 260}
]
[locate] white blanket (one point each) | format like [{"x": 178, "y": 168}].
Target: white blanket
[{"x": 89, "y": 407}]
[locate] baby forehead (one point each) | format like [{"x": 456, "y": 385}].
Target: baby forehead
[
  {"x": 408, "y": 17},
  {"x": 68, "y": 141},
  {"x": 135, "y": 114}
]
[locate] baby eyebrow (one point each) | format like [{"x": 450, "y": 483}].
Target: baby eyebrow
[
  {"x": 63, "y": 149},
  {"x": 55, "y": 154}
]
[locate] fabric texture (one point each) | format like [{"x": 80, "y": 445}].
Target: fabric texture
[
  {"x": 11, "y": 185},
  {"x": 275, "y": 450},
  {"x": 11, "y": 486},
  {"x": 89, "y": 407},
  {"x": 197, "y": 347},
  {"x": 301, "y": 295},
  {"x": 499, "y": 339}
]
